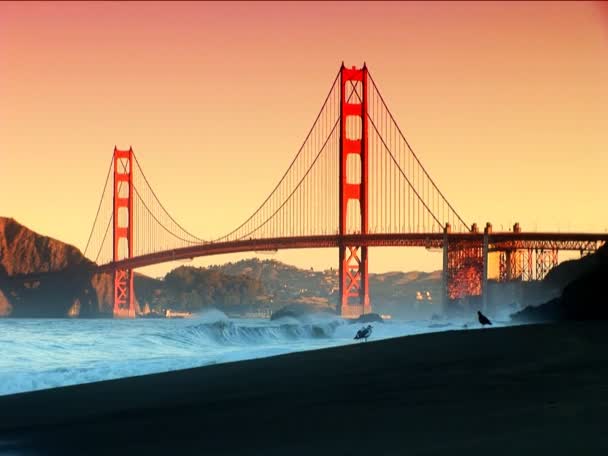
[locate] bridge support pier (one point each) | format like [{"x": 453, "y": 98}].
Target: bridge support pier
[
  {"x": 444, "y": 277},
  {"x": 124, "y": 293},
  {"x": 353, "y": 146},
  {"x": 484, "y": 278},
  {"x": 545, "y": 261},
  {"x": 464, "y": 271}
]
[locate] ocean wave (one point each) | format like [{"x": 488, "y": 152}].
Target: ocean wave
[
  {"x": 45, "y": 354},
  {"x": 218, "y": 329}
]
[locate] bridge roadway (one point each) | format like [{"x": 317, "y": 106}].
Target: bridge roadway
[{"x": 497, "y": 241}]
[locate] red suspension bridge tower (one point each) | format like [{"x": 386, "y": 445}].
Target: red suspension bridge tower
[
  {"x": 354, "y": 286},
  {"x": 124, "y": 295}
]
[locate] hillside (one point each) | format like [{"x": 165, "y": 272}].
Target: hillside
[
  {"x": 193, "y": 289},
  {"x": 22, "y": 251},
  {"x": 571, "y": 270},
  {"x": 584, "y": 295},
  {"x": 411, "y": 294},
  {"x": 405, "y": 294},
  {"x": 67, "y": 287}
]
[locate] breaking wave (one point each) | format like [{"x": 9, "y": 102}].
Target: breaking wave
[
  {"x": 46, "y": 353},
  {"x": 226, "y": 332}
]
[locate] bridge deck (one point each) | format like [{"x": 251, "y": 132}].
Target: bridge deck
[{"x": 496, "y": 241}]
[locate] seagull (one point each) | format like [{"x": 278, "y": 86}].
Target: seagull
[
  {"x": 364, "y": 333},
  {"x": 483, "y": 319}
]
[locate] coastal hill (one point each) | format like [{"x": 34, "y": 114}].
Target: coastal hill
[
  {"x": 261, "y": 287},
  {"x": 584, "y": 290},
  {"x": 23, "y": 251},
  {"x": 405, "y": 294},
  {"x": 63, "y": 284}
]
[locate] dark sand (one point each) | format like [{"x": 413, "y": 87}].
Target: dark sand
[{"x": 511, "y": 391}]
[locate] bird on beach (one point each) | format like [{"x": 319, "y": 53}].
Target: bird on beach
[
  {"x": 364, "y": 333},
  {"x": 483, "y": 319}
]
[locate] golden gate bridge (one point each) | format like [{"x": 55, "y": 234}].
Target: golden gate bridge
[{"x": 354, "y": 183}]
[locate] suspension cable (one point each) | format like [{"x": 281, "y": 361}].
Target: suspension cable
[
  {"x": 99, "y": 207},
  {"x": 412, "y": 151},
  {"x": 159, "y": 222},
  {"x": 292, "y": 162},
  {"x": 401, "y": 170},
  {"x": 161, "y": 204},
  {"x": 299, "y": 183}
]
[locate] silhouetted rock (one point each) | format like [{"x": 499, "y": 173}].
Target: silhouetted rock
[
  {"x": 585, "y": 297},
  {"x": 549, "y": 311},
  {"x": 568, "y": 271},
  {"x": 297, "y": 311},
  {"x": 369, "y": 318}
]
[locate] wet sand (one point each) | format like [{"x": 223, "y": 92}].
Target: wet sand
[{"x": 539, "y": 389}]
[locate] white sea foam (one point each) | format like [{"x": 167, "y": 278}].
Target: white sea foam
[{"x": 38, "y": 354}]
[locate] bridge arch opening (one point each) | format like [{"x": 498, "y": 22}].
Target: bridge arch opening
[
  {"x": 353, "y": 169},
  {"x": 123, "y": 217},
  {"x": 353, "y": 127}
]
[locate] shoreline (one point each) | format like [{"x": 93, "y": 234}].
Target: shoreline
[{"x": 542, "y": 387}]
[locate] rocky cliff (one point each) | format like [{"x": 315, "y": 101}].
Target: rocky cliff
[
  {"x": 44, "y": 277},
  {"x": 22, "y": 251},
  {"x": 584, "y": 296}
]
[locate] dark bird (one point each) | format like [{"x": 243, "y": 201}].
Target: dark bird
[
  {"x": 364, "y": 333},
  {"x": 483, "y": 319}
]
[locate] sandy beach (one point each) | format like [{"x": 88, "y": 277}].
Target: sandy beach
[{"x": 539, "y": 389}]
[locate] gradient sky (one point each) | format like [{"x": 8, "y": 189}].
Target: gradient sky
[{"x": 505, "y": 104}]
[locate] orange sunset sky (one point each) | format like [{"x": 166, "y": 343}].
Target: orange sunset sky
[{"x": 506, "y": 105}]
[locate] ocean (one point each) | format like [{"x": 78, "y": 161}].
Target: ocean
[{"x": 47, "y": 353}]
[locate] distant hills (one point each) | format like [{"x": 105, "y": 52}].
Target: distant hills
[
  {"x": 68, "y": 288},
  {"x": 399, "y": 293},
  {"x": 264, "y": 286}
]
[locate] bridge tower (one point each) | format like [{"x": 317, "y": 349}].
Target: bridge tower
[
  {"x": 354, "y": 286},
  {"x": 124, "y": 295}
]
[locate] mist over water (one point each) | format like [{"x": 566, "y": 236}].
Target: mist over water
[{"x": 46, "y": 353}]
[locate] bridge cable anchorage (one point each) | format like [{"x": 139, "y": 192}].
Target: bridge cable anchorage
[
  {"x": 99, "y": 207},
  {"x": 377, "y": 91},
  {"x": 293, "y": 162}
]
